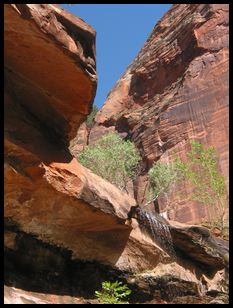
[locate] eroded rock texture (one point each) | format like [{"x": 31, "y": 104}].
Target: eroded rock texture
[
  {"x": 66, "y": 229},
  {"x": 176, "y": 90},
  {"x": 56, "y": 278},
  {"x": 50, "y": 83}
]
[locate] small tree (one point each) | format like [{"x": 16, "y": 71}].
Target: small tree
[
  {"x": 112, "y": 158},
  {"x": 201, "y": 171},
  {"x": 161, "y": 178},
  {"x": 113, "y": 293},
  {"x": 91, "y": 116},
  {"x": 209, "y": 188}
]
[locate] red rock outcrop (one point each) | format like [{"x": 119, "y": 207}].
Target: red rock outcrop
[
  {"x": 57, "y": 278},
  {"x": 18, "y": 296},
  {"x": 60, "y": 218},
  {"x": 50, "y": 83},
  {"x": 176, "y": 90}
]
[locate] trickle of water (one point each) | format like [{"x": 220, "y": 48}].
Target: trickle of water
[{"x": 160, "y": 231}]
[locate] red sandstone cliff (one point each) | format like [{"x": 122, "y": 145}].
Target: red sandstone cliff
[
  {"x": 58, "y": 213},
  {"x": 50, "y": 83},
  {"x": 175, "y": 90}
]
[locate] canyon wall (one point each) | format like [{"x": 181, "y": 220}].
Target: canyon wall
[
  {"x": 50, "y": 84},
  {"x": 176, "y": 90},
  {"x": 66, "y": 230}
]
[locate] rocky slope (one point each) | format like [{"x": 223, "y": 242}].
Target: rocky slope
[{"x": 175, "y": 90}]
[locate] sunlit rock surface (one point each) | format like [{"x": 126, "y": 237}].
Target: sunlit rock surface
[
  {"x": 176, "y": 90},
  {"x": 50, "y": 83},
  {"x": 66, "y": 229}
]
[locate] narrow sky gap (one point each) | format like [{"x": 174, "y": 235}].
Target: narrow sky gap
[{"x": 122, "y": 30}]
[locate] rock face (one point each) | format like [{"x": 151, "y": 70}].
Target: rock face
[
  {"x": 55, "y": 277},
  {"x": 66, "y": 229},
  {"x": 192, "y": 243},
  {"x": 176, "y": 90},
  {"x": 18, "y": 296},
  {"x": 50, "y": 83}
]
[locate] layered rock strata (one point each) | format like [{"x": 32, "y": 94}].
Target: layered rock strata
[
  {"x": 65, "y": 226},
  {"x": 55, "y": 277},
  {"x": 50, "y": 83}
]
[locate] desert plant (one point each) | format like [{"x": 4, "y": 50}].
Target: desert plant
[
  {"x": 201, "y": 170},
  {"x": 112, "y": 158},
  {"x": 113, "y": 293},
  {"x": 91, "y": 116},
  {"x": 161, "y": 178}
]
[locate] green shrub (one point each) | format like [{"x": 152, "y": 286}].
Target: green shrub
[
  {"x": 209, "y": 188},
  {"x": 161, "y": 177},
  {"x": 113, "y": 293},
  {"x": 112, "y": 158},
  {"x": 201, "y": 171}
]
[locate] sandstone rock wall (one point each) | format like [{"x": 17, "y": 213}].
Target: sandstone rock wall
[
  {"x": 50, "y": 83},
  {"x": 176, "y": 90},
  {"x": 60, "y": 218}
]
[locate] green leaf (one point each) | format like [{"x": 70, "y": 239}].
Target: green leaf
[
  {"x": 200, "y": 171},
  {"x": 113, "y": 292}
]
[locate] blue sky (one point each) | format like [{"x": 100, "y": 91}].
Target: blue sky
[{"x": 122, "y": 30}]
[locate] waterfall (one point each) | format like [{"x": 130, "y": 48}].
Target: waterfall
[{"x": 159, "y": 230}]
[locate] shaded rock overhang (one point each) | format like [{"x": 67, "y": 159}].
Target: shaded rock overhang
[
  {"x": 50, "y": 84},
  {"x": 50, "y": 69}
]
